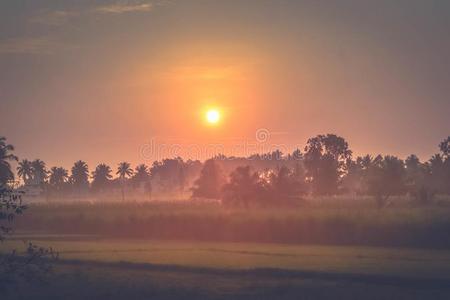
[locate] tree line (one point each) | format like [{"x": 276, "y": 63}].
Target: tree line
[{"x": 326, "y": 166}]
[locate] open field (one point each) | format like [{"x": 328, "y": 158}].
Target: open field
[
  {"x": 334, "y": 221},
  {"x": 329, "y": 249},
  {"x": 215, "y": 270}
]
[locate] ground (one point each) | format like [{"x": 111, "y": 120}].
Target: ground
[{"x": 95, "y": 268}]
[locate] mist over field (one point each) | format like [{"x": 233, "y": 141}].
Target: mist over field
[{"x": 258, "y": 149}]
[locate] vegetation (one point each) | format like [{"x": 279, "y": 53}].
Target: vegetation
[
  {"x": 114, "y": 269},
  {"x": 325, "y": 220},
  {"x": 326, "y": 168},
  {"x": 324, "y": 224}
]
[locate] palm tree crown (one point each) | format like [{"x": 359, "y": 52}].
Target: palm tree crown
[
  {"x": 80, "y": 174},
  {"x": 58, "y": 176},
  {"x": 124, "y": 170},
  {"x": 25, "y": 170},
  {"x": 39, "y": 171},
  {"x": 101, "y": 176}
]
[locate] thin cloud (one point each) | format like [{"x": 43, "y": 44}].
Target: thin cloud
[
  {"x": 124, "y": 7},
  {"x": 55, "y": 18},
  {"x": 46, "y": 45},
  {"x": 61, "y": 17},
  {"x": 27, "y": 45}
]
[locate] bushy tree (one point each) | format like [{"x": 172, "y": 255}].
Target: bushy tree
[
  {"x": 58, "y": 180},
  {"x": 79, "y": 177},
  {"x": 325, "y": 160},
  {"x": 386, "y": 177},
  {"x": 243, "y": 188},
  {"x": 101, "y": 177},
  {"x": 285, "y": 186},
  {"x": 169, "y": 174},
  {"x": 124, "y": 171},
  {"x": 210, "y": 182}
]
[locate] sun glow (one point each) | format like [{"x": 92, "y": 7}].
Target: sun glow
[{"x": 212, "y": 116}]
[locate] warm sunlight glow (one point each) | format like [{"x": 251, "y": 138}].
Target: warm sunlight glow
[{"x": 213, "y": 116}]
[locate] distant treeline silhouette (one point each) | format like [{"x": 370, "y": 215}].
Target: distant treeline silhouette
[{"x": 325, "y": 167}]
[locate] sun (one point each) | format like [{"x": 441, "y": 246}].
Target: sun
[{"x": 212, "y": 116}]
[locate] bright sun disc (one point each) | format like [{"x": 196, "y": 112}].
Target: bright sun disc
[{"x": 212, "y": 116}]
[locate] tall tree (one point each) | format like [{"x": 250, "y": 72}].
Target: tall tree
[
  {"x": 6, "y": 157},
  {"x": 325, "y": 159},
  {"x": 25, "y": 170},
  {"x": 169, "y": 174},
  {"x": 58, "y": 179},
  {"x": 444, "y": 146},
  {"x": 242, "y": 188},
  {"x": 39, "y": 171},
  {"x": 386, "y": 177},
  {"x": 210, "y": 182},
  {"x": 79, "y": 177},
  {"x": 141, "y": 178},
  {"x": 286, "y": 185},
  {"x": 124, "y": 171},
  {"x": 101, "y": 177}
]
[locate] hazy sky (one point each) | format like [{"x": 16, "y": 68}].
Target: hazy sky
[{"x": 100, "y": 80}]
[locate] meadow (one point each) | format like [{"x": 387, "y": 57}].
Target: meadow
[
  {"x": 328, "y": 221},
  {"x": 336, "y": 247},
  {"x": 146, "y": 269}
]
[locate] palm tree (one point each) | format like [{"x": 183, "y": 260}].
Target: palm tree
[
  {"x": 5, "y": 157},
  {"x": 58, "y": 177},
  {"x": 80, "y": 175},
  {"x": 101, "y": 177},
  {"x": 124, "y": 170},
  {"x": 39, "y": 171},
  {"x": 25, "y": 171},
  {"x": 142, "y": 176}
]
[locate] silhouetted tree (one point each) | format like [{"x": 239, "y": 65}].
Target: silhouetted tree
[
  {"x": 243, "y": 188},
  {"x": 418, "y": 180},
  {"x": 58, "y": 179},
  {"x": 169, "y": 174},
  {"x": 285, "y": 186},
  {"x": 124, "y": 170},
  {"x": 25, "y": 171},
  {"x": 440, "y": 173},
  {"x": 386, "y": 177},
  {"x": 210, "y": 182},
  {"x": 444, "y": 146},
  {"x": 79, "y": 177},
  {"x": 39, "y": 172},
  {"x": 6, "y": 157},
  {"x": 325, "y": 160},
  {"x": 141, "y": 178},
  {"x": 101, "y": 177}
]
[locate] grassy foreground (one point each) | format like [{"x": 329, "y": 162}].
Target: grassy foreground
[
  {"x": 138, "y": 269},
  {"x": 328, "y": 221}
]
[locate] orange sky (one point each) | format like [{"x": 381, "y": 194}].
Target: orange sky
[{"x": 101, "y": 81}]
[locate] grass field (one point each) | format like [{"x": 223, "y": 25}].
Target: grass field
[
  {"x": 241, "y": 270},
  {"x": 337, "y": 248},
  {"x": 329, "y": 221}
]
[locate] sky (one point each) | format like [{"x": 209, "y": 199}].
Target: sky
[{"x": 108, "y": 81}]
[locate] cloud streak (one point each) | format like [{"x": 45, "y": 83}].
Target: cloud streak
[
  {"x": 56, "y": 18},
  {"x": 61, "y": 17},
  {"x": 28, "y": 45},
  {"x": 124, "y": 7}
]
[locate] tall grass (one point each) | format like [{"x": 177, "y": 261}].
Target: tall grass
[{"x": 337, "y": 220}]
